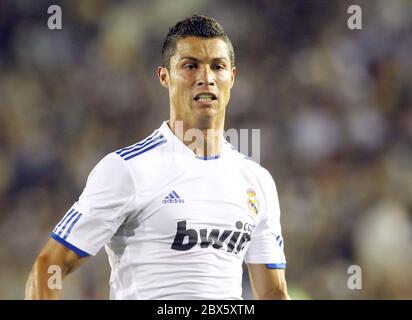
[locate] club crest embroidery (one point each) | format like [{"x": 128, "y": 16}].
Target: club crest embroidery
[{"x": 252, "y": 202}]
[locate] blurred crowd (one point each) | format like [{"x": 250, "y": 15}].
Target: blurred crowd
[{"x": 333, "y": 105}]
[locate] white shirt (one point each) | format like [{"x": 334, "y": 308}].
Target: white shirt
[{"x": 176, "y": 226}]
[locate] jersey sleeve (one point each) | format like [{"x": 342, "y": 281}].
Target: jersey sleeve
[
  {"x": 266, "y": 245},
  {"x": 106, "y": 201}
]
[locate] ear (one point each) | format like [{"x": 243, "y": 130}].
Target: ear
[
  {"x": 163, "y": 75},
  {"x": 233, "y": 76}
]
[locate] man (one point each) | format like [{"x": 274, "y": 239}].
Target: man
[{"x": 177, "y": 217}]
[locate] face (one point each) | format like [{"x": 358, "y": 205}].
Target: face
[{"x": 199, "y": 81}]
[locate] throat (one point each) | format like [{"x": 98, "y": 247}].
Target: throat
[{"x": 205, "y": 143}]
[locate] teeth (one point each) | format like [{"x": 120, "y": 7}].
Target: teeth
[{"x": 204, "y": 97}]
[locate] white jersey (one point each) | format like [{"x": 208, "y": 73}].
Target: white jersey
[{"x": 176, "y": 226}]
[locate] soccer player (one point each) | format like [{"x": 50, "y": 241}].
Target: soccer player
[{"x": 177, "y": 218}]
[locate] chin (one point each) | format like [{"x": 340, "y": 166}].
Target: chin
[{"x": 205, "y": 113}]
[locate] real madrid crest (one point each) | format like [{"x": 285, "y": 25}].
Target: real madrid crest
[{"x": 252, "y": 202}]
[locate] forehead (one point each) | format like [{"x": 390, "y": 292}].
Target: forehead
[{"x": 201, "y": 48}]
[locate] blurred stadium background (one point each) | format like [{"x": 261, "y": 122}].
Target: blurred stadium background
[{"x": 334, "y": 107}]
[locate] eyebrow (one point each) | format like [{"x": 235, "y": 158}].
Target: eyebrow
[{"x": 197, "y": 60}]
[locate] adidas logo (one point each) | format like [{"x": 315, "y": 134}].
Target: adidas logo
[{"x": 173, "y": 197}]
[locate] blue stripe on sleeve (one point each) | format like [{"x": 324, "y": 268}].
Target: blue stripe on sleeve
[
  {"x": 67, "y": 221},
  {"x": 71, "y": 226},
  {"x": 62, "y": 220},
  {"x": 81, "y": 253},
  {"x": 276, "y": 265}
]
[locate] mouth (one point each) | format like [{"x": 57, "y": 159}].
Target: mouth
[{"x": 205, "y": 97}]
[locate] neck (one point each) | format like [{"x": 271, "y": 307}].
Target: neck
[{"x": 204, "y": 139}]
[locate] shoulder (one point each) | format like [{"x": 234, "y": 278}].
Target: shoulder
[
  {"x": 109, "y": 171},
  {"x": 117, "y": 166},
  {"x": 120, "y": 171},
  {"x": 140, "y": 162},
  {"x": 142, "y": 147},
  {"x": 249, "y": 164}
]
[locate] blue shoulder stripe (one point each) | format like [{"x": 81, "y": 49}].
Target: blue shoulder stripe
[
  {"x": 140, "y": 147},
  {"x": 149, "y": 138},
  {"x": 139, "y": 151}
]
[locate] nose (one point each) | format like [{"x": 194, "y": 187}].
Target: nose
[{"x": 205, "y": 77}]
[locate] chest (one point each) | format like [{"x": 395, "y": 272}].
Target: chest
[{"x": 205, "y": 204}]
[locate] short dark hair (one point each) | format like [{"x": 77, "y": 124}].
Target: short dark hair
[{"x": 194, "y": 26}]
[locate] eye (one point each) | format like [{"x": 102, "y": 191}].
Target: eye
[
  {"x": 190, "y": 66},
  {"x": 219, "y": 67}
]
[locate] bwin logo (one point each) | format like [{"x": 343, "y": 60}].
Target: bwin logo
[{"x": 229, "y": 240}]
